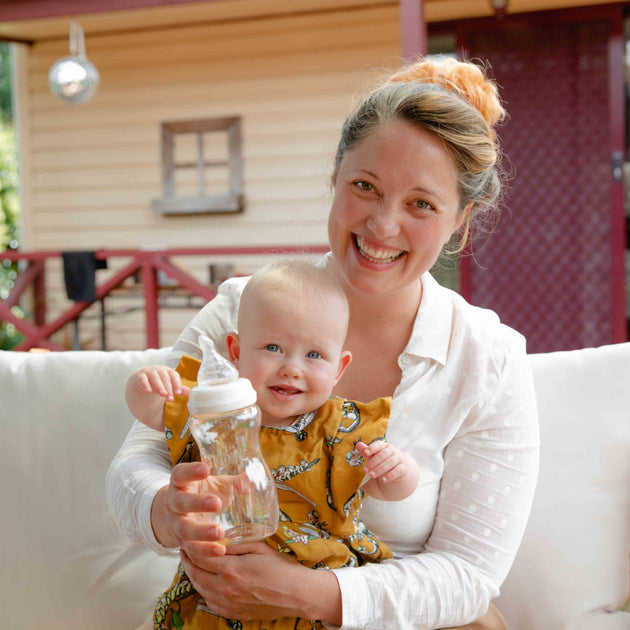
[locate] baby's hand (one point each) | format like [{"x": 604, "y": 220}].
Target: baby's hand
[
  {"x": 158, "y": 379},
  {"x": 384, "y": 461}
]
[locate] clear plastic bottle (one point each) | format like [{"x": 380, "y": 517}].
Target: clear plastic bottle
[{"x": 225, "y": 423}]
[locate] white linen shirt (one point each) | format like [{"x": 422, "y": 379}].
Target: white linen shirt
[{"x": 465, "y": 409}]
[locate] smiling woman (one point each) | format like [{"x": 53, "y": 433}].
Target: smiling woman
[
  {"x": 418, "y": 161},
  {"x": 396, "y": 205}
]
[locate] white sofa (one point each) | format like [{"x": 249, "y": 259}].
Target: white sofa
[{"x": 65, "y": 565}]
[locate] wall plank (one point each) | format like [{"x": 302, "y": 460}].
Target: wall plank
[{"x": 94, "y": 169}]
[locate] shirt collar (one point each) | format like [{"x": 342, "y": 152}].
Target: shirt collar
[{"x": 431, "y": 334}]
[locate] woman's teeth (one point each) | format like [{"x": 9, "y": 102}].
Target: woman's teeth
[{"x": 376, "y": 255}]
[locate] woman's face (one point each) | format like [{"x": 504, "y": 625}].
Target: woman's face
[{"x": 395, "y": 205}]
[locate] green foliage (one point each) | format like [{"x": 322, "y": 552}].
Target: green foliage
[
  {"x": 5, "y": 83},
  {"x": 9, "y": 203},
  {"x": 9, "y": 216}
]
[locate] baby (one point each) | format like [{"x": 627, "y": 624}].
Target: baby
[{"x": 324, "y": 452}]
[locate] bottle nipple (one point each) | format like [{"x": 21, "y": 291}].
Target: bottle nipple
[
  {"x": 213, "y": 366},
  {"x": 219, "y": 388}
]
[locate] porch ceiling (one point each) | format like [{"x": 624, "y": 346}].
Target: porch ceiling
[{"x": 34, "y": 20}]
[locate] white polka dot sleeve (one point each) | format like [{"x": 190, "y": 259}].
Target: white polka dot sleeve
[{"x": 485, "y": 495}]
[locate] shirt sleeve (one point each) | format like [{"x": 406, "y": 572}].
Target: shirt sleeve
[
  {"x": 215, "y": 320},
  {"x": 142, "y": 465},
  {"x": 140, "y": 468},
  {"x": 490, "y": 473}
]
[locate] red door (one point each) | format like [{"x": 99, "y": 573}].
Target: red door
[{"x": 554, "y": 267}]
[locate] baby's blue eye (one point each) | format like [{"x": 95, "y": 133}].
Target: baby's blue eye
[
  {"x": 272, "y": 347},
  {"x": 313, "y": 354}
]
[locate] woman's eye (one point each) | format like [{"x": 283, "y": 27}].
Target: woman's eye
[
  {"x": 272, "y": 347},
  {"x": 423, "y": 205},
  {"x": 364, "y": 186},
  {"x": 313, "y": 354}
]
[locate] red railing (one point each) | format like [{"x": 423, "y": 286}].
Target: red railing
[{"x": 145, "y": 263}]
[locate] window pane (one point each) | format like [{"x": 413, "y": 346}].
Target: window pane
[
  {"x": 217, "y": 180},
  {"x": 186, "y": 150},
  {"x": 187, "y": 182},
  {"x": 215, "y": 146}
]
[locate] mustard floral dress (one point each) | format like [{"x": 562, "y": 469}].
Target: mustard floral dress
[{"x": 318, "y": 474}]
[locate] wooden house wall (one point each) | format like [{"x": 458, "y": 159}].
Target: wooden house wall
[{"x": 91, "y": 171}]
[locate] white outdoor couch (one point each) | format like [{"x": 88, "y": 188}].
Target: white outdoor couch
[{"x": 65, "y": 565}]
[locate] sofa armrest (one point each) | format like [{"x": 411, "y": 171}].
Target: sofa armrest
[
  {"x": 64, "y": 562},
  {"x": 572, "y": 568}
]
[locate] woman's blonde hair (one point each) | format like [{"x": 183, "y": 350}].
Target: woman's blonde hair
[{"x": 455, "y": 101}]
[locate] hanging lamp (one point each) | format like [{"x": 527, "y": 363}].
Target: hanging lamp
[{"x": 74, "y": 78}]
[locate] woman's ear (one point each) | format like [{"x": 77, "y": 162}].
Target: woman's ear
[
  {"x": 463, "y": 216},
  {"x": 344, "y": 361},
  {"x": 233, "y": 347}
]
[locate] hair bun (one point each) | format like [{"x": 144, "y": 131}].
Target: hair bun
[{"x": 465, "y": 78}]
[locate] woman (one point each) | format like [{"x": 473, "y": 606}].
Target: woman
[{"x": 417, "y": 161}]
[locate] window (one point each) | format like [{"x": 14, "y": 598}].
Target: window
[{"x": 201, "y": 167}]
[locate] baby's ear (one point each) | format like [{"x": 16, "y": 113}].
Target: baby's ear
[
  {"x": 233, "y": 347},
  {"x": 344, "y": 361}
]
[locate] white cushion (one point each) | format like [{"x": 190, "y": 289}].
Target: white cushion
[
  {"x": 64, "y": 562},
  {"x": 65, "y": 565},
  {"x": 571, "y": 572}
]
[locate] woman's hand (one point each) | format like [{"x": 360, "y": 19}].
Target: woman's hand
[
  {"x": 176, "y": 508},
  {"x": 252, "y": 581}
]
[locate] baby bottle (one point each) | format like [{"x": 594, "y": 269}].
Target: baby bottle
[{"x": 225, "y": 423}]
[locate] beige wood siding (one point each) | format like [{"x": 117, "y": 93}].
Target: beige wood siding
[{"x": 91, "y": 171}]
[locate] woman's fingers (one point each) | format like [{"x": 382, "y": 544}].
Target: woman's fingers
[
  {"x": 186, "y": 476},
  {"x": 192, "y": 529},
  {"x": 197, "y": 549},
  {"x": 185, "y": 490},
  {"x": 204, "y": 554},
  {"x": 206, "y": 583},
  {"x": 186, "y": 507},
  {"x": 251, "y": 581}
]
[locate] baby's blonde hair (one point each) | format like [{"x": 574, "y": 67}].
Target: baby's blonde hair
[{"x": 294, "y": 278}]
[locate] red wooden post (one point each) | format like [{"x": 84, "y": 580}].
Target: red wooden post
[
  {"x": 39, "y": 294},
  {"x": 413, "y": 29},
  {"x": 149, "y": 281},
  {"x": 617, "y": 150}
]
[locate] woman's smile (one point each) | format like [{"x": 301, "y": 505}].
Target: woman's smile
[{"x": 374, "y": 252}]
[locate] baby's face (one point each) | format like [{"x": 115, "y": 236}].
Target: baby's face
[{"x": 292, "y": 352}]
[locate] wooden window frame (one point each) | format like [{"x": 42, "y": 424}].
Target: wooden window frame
[{"x": 233, "y": 201}]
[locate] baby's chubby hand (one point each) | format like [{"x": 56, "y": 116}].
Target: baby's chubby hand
[
  {"x": 158, "y": 379},
  {"x": 384, "y": 461}
]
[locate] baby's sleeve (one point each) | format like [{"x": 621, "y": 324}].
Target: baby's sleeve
[
  {"x": 356, "y": 422},
  {"x": 181, "y": 446}
]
